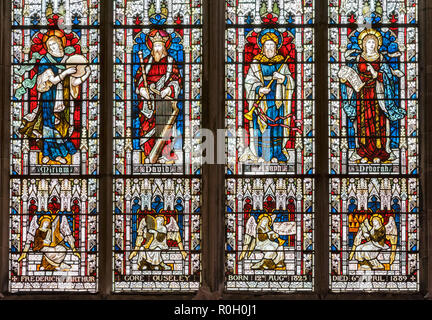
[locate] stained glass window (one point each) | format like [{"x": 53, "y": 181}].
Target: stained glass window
[
  {"x": 157, "y": 112},
  {"x": 54, "y": 145},
  {"x": 272, "y": 50},
  {"x": 373, "y": 112},
  {"x": 270, "y": 123}
]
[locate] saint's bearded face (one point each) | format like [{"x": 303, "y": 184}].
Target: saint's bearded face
[
  {"x": 159, "y": 51},
  {"x": 269, "y": 49}
]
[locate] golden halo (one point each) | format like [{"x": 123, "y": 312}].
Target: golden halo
[
  {"x": 372, "y": 32},
  {"x": 379, "y": 217},
  {"x": 160, "y": 36}
]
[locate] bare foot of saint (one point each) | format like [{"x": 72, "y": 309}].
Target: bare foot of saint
[{"x": 61, "y": 160}]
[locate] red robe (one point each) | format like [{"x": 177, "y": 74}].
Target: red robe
[{"x": 156, "y": 72}]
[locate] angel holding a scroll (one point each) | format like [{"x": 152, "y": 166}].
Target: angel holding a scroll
[
  {"x": 153, "y": 233},
  {"x": 369, "y": 93},
  {"x": 373, "y": 238}
]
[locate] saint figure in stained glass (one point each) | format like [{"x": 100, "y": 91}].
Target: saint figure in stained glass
[
  {"x": 157, "y": 102},
  {"x": 57, "y": 70},
  {"x": 370, "y": 92},
  {"x": 54, "y": 131},
  {"x": 269, "y": 88},
  {"x": 158, "y": 86}
]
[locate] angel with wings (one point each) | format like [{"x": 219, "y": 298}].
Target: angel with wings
[
  {"x": 374, "y": 237},
  {"x": 261, "y": 236},
  {"x": 153, "y": 233},
  {"x": 52, "y": 236}
]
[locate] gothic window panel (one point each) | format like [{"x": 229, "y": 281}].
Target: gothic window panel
[
  {"x": 157, "y": 118},
  {"x": 374, "y": 227},
  {"x": 54, "y": 146},
  {"x": 157, "y": 225},
  {"x": 373, "y": 87},
  {"x": 157, "y": 88},
  {"x": 270, "y": 225},
  {"x": 55, "y": 88},
  {"x": 373, "y": 132},
  {"x": 53, "y": 235},
  {"x": 269, "y": 119},
  {"x": 269, "y": 115}
]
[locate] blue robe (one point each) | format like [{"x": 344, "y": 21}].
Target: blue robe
[
  {"x": 55, "y": 144},
  {"x": 272, "y": 138}
]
